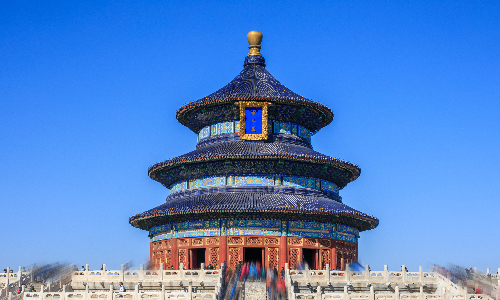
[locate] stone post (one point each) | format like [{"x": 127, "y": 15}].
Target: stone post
[
  {"x": 110, "y": 291},
  {"x": 327, "y": 273},
  {"x": 346, "y": 293},
  {"x": 104, "y": 276},
  {"x": 367, "y": 273},
  {"x": 9, "y": 297},
  {"x": 372, "y": 293},
  {"x": 403, "y": 272},
  {"x": 181, "y": 271},
  {"x": 20, "y": 275},
  {"x": 190, "y": 291},
  {"x": 487, "y": 271},
  {"x": 421, "y": 274},
  {"x": 122, "y": 272},
  {"x": 161, "y": 272},
  {"x": 386, "y": 273},
  {"x": 87, "y": 272},
  {"x": 318, "y": 292},
  {"x": 396, "y": 292},
  {"x": 162, "y": 295},
  {"x": 8, "y": 281},
  {"x": 422, "y": 296}
]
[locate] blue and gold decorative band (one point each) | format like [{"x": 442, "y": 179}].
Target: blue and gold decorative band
[
  {"x": 242, "y": 180},
  {"x": 254, "y": 227},
  {"x": 274, "y": 127}
]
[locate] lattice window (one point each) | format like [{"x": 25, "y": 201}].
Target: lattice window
[
  {"x": 325, "y": 258},
  {"x": 183, "y": 257},
  {"x": 310, "y": 242},
  {"x": 183, "y": 242},
  {"x": 168, "y": 258},
  {"x": 168, "y": 243},
  {"x": 234, "y": 257},
  {"x": 213, "y": 256},
  {"x": 254, "y": 241},
  {"x": 273, "y": 257},
  {"x": 295, "y": 241},
  {"x": 235, "y": 241},
  {"x": 271, "y": 241},
  {"x": 339, "y": 260},
  {"x": 293, "y": 258},
  {"x": 197, "y": 242},
  {"x": 212, "y": 241},
  {"x": 325, "y": 243}
]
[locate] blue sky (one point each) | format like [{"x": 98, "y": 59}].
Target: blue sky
[{"x": 89, "y": 91}]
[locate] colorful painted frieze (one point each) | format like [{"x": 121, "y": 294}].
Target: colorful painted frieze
[
  {"x": 225, "y": 127},
  {"x": 200, "y": 233},
  {"x": 179, "y": 186},
  {"x": 245, "y": 232},
  {"x": 196, "y": 224},
  {"x": 207, "y": 182},
  {"x": 299, "y": 181},
  {"x": 161, "y": 237},
  {"x": 347, "y": 229},
  {"x": 236, "y": 126},
  {"x": 346, "y": 237},
  {"x": 160, "y": 228},
  {"x": 329, "y": 186},
  {"x": 254, "y": 223},
  {"x": 254, "y": 180},
  {"x": 304, "y": 133},
  {"x": 310, "y": 225},
  {"x": 314, "y": 234},
  {"x": 282, "y": 127}
]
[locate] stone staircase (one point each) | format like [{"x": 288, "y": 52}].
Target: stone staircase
[{"x": 255, "y": 290}]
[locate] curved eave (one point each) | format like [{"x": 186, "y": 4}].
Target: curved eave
[
  {"x": 135, "y": 220},
  {"x": 337, "y": 163},
  {"x": 325, "y": 111}
]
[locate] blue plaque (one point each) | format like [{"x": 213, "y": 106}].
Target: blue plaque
[{"x": 253, "y": 120}]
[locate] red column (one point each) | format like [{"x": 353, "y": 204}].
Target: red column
[
  {"x": 223, "y": 250},
  {"x": 333, "y": 265},
  {"x": 175, "y": 254},
  {"x": 283, "y": 253}
]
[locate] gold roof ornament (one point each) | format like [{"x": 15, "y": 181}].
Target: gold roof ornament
[{"x": 254, "y": 39}]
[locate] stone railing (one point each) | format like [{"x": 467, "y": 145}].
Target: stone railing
[
  {"x": 387, "y": 277},
  {"x": 114, "y": 295},
  {"x": 104, "y": 279},
  {"x": 393, "y": 296},
  {"x": 10, "y": 281},
  {"x": 157, "y": 284}
]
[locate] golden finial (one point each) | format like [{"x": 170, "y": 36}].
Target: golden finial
[{"x": 254, "y": 39}]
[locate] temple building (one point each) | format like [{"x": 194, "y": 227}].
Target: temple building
[{"x": 254, "y": 189}]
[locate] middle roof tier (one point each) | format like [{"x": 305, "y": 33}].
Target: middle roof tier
[{"x": 275, "y": 156}]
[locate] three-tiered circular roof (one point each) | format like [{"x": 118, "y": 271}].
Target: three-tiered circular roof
[{"x": 231, "y": 155}]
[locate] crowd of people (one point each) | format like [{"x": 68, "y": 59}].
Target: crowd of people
[{"x": 255, "y": 272}]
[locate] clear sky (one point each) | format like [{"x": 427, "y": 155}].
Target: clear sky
[{"x": 89, "y": 91}]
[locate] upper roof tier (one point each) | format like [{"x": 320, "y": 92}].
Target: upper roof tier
[{"x": 254, "y": 83}]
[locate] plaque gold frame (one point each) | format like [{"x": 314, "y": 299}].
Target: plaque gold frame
[{"x": 265, "y": 130}]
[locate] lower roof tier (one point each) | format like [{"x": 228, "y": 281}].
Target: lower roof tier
[{"x": 266, "y": 204}]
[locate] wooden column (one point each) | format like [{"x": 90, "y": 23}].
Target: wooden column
[
  {"x": 333, "y": 264},
  {"x": 223, "y": 251},
  {"x": 175, "y": 254},
  {"x": 283, "y": 252}
]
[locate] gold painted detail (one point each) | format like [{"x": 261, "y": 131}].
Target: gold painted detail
[
  {"x": 265, "y": 129},
  {"x": 254, "y": 40}
]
